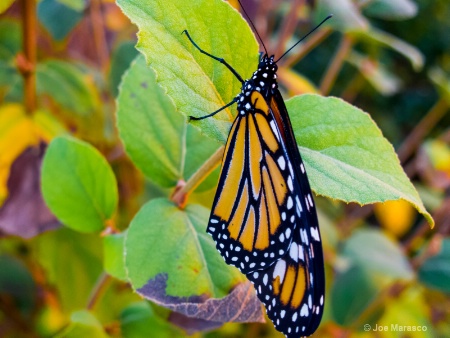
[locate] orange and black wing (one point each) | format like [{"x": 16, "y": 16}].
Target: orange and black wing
[
  {"x": 293, "y": 289},
  {"x": 257, "y": 204}
]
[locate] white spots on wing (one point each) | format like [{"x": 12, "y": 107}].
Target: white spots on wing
[
  {"x": 310, "y": 301},
  {"x": 266, "y": 279},
  {"x": 262, "y": 84},
  {"x": 246, "y": 259},
  {"x": 252, "y": 265},
  {"x": 283, "y": 216},
  {"x": 281, "y": 252},
  {"x": 265, "y": 75},
  {"x": 300, "y": 253},
  {"x": 292, "y": 218},
  {"x": 237, "y": 249},
  {"x": 221, "y": 245},
  {"x": 282, "y": 313},
  {"x": 282, "y": 163},
  {"x": 274, "y": 129},
  {"x": 255, "y": 275},
  {"x": 290, "y": 185},
  {"x": 288, "y": 232},
  {"x": 282, "y": 238},
  {"x": 304, "y": 312},
  {"x": 294, "y": 316},
  {"x": 302, "y": 168},
  {"x": 234, "y": 259},
  {"x": 321, "y": 300},
  {"x": 315, "y": 234},
  {"x": 290, "y": 203},
  {"x": 310, "y": 200},
  {"x": 214, "y": 221},
  {"x": 291, "y": 171},
  {"x": 280, "y": 270},
  {"x": 247, "y": 106},
  {"x": 293, "y": 251}
]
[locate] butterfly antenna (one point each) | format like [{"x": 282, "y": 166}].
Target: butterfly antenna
[
  {"x": 303, "y": 38},
  {"x": 254, "y": 28}
]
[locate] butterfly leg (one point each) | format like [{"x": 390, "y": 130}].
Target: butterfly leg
[
  {"x": 222, "y": 61},
  {"x": 213, "y": 113}
]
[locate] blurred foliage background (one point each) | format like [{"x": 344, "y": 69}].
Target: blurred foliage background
[{"x": 61, "y": 65}]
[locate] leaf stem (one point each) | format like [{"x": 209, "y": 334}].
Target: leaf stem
[
  {"x": 99, "y": 289},
  {"x": 336, "y": 64},
  {"x": 180, "y": 196},
  {"x": 414, "y": 139},
  {"x": 26, "y": 62}
]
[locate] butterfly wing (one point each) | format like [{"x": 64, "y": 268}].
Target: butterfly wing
[{"x": 254, "y": 214}]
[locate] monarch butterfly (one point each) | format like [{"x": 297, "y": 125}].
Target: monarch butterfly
[{"x": 263, "y": 217}]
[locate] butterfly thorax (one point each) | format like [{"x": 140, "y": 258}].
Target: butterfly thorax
[{"x": 263, "y": 80}]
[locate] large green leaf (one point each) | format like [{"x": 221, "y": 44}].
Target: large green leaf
[
  {"x": 156, "y": 136},
  {"x": 346, "y": 155},
  {"x": 78, "y": 184},
  {"x": 172, "y": 261},
  {"x": 176, "y": 245},
  {"x": 377, "y": 254},
  {"x": 197, "y": 84}
]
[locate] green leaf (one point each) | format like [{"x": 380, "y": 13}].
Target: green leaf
[
  {"x": 139, "y": 320},
  {"x": 352, "y": 292},
  {"x": 113, "y": 255},
  {"x": 72, "y": 264},
  {"x": 156, "y": 136},
  {"x": 83, "y": 324},
  {"x": 435, "y": 271},
  {"x": 78, "y": 185},
  {"x": 346, "y": 15},
  {"x": 17, "y": 286},
  {"x": 58, "y": 18},
  {"x": 4, "y": 5},
  {"x": 381, "y": 78},
  {"x": 67, "y": 85},
  {"x": 121, "y": 59},
  {"x": 164, "y": 241},
  {"x": 377, "y": 254},
  {"x": 391, "y": 9},
  {"x": 10, "y": 39},
  {"x": 197, "y": 84},
  {"x": 346, "y": 155},
  {"x": 379, "y": 37}
]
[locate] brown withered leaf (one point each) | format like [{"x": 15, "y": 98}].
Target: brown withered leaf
[
  {"x": 240, "y": 305},
  {"x": 24, "y": 212}
]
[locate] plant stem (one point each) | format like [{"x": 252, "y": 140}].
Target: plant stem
[
  {"x": 311, "y": 43},
  {"x": 99, "y": 289},
  {"x": 336, "y": 64},
  {"x": 27, "y": 64},
  {"x": 98, "y": 31},
  {"x": 180, "y": 196},
  {"x": 414, "y": 139},
  {"x": 288, "y": 27}
]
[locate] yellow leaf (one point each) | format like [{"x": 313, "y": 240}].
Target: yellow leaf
[
  {"x": 16, "y": 134},
  {"x": 295, "y": 83},
  {"x": 395, "y": 216}
]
